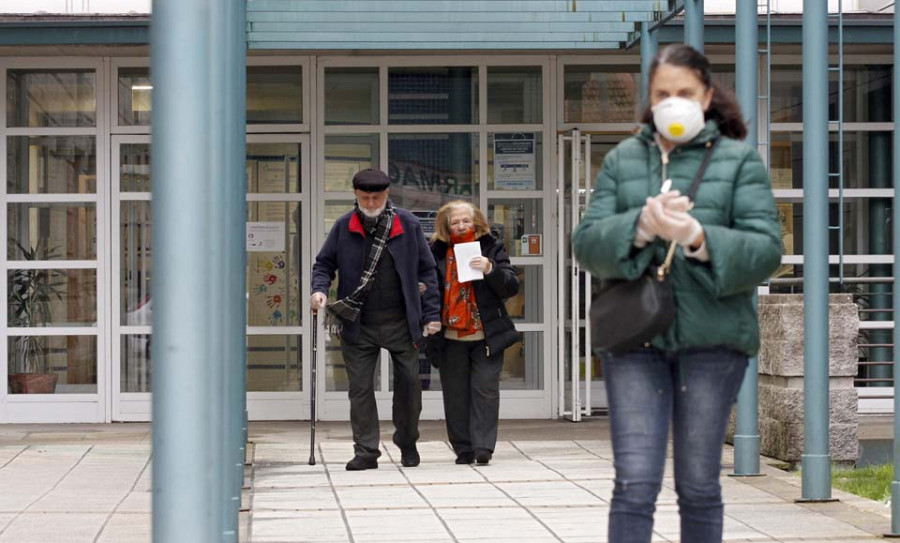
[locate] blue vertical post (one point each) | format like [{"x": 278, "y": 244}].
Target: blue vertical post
[
  {"x": 693, "y": 23},
  {"x": 895, "y": 485},
  {"x": 215, "y": 255},
  {"x": 746, "y": 434},
  {"x": 186, "y": 460},
  {"x": 236, "y": 256},
  {"x": 816, "y": 460},
  {"x": 227, "y": 201},
  {"x": 649, "y": 45}
]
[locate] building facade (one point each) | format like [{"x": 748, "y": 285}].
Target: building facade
[{"x": 478, "y": 105}]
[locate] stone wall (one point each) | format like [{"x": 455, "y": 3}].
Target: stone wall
[{"x": 781, "y": 377}]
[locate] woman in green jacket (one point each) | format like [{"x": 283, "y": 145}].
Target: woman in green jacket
[{"x": 730, "y": 242}]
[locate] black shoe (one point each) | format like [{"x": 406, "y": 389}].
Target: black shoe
[
  {"x": 409, "y": 458},
  {"x": 359, "y": 463},
  {"x": 483, "y": 456},
  {"x": 465, "y": 458}
]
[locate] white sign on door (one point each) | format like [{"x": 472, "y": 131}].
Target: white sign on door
[
  {"x": 265, "y": 236},
  {"x": 514, "y": 163}
]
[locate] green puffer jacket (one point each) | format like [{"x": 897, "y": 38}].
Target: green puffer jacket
[{"x": 734, "y": 203}]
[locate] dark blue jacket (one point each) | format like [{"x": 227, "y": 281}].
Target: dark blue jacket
[{"x": 344, "y": 252}]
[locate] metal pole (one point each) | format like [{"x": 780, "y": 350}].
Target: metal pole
[
  {"x": 746, "y": 435},
  {"x": 693, "y": 23},
  {"x": 185, "y": 459},
  {"x": 895, "y": 485},
  {"x": 649, "y": 45},
  {"x": 217, "y": 184},
  {"x": 816, "y": 460},
  {"x": 233, "y": 188}
]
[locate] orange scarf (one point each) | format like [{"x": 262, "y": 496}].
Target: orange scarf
[{"x": 460, "y": 312}]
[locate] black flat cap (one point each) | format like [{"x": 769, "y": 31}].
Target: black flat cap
[{"x": 370, "y": 180}]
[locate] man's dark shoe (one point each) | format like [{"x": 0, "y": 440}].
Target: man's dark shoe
[
  {"x": 483, "y": 456},
  {"x": 465, "y": 458},
  {"x": 359, "y": 463},
  {"x": 409, "y": 458}
]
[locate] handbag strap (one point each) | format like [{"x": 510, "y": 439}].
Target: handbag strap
[
  {"x": 663, "y": 270},
  {"x": 710, "y": 147}
]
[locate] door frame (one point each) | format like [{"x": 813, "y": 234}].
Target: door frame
[
  {"x": 521, "y": 404},
  {"x": 83, "y": 408},
  {"x": 136, "y": 406}
]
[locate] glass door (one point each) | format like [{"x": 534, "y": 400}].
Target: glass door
[
  {"x": 277, "y": 276},
  {"x": 53, "y": 223},
  {"x": 580, "y": 372}
]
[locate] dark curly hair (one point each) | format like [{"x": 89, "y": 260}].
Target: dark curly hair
[{"x": 723, "y": 109}]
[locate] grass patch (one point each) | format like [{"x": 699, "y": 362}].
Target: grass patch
[{"x": 873, "y": 482}]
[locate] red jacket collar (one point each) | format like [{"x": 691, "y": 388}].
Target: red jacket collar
[{"x": 355, "y": 226}]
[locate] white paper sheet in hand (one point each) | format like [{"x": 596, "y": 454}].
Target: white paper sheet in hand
[{"x": 464, "y": 253}]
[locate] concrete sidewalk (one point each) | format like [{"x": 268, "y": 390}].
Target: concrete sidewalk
[{"x": 549, "y": 481}]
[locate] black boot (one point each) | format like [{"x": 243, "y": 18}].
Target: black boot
[
  {"x": 359, "y": 463},
  {"x": 483, "y": 456},
  {"x": 465, "y": 458},
  {"x": 409, "y": 457}
]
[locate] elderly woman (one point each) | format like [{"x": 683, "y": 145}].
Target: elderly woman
[{"x": 476, "y": 330}]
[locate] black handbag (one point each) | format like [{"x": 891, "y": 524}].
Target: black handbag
[{"x": 627, "y": 314}]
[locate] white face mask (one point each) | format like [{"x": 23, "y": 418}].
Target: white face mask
[{"x": 678, "y": 119}]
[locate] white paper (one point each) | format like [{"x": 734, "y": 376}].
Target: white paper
[
  {"x": 265, "y": 236},
  {"x": 464, "y": 253},
  {"x": 514, "y": 162}
]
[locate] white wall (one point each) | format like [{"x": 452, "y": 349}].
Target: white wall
[{"x": 75, "y": 6}]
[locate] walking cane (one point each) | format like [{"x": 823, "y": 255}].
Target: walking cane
[{"x": 312, "y": 415}]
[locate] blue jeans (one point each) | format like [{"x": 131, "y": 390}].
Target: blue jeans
[{"x": 694, "y": 390}]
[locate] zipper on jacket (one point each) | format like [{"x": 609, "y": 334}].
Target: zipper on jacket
[{"x": 663, "y": 157}]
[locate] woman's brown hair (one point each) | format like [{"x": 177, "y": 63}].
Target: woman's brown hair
[
  {"x": 723, "y": 109},
  {"x": 442, "y": 221}
]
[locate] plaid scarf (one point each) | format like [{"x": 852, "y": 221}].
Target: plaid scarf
[{"x": 347, "y": 309}]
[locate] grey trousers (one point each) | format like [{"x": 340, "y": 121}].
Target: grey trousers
[
  {"x": 471, "y": 385},
  {"x": 361, "y": 359}
]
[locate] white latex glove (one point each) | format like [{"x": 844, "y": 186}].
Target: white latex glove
[
  {"x": 679, "y": 227},
  {"x": 317, "y": 301},
  {"x": 431, "y": 328},
  {"x": 482, "y": 264},
  {"x": 678, "y": 203},
  {"x": 645, "y": 233}
]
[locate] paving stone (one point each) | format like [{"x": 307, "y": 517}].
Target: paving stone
[
  {"x": 293, "y": 499},
  {"x": 486, "y": 524},
  {"x": 136, "y": 502},
  {"x": 55, "y": 527},
  {"x": 397, "y": 525},
  {"x": 379, "y": 497},
  {"x": 465, "y": 495},
  {"x": 781, "y": 520},
  {"x": 521, "y": 470},
  {"x": 575, "y": 524},
  {"x": 308, "y": 526},
  {"x": 439, "y": 473},
  {"x": 78, "y": 501},
  {"x": 127, "y": 528},
  {"x": 549, "y": 493},
  {"x": 386, "y": 474},
  {"x": 290, "y": 476},
  {"x": 594, "y": 468}
]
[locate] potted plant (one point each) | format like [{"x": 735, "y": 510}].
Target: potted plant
[{"x": 30, "y": 293}]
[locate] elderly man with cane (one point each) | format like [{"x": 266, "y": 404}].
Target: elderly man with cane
[{"x": 381, "y": 256}]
